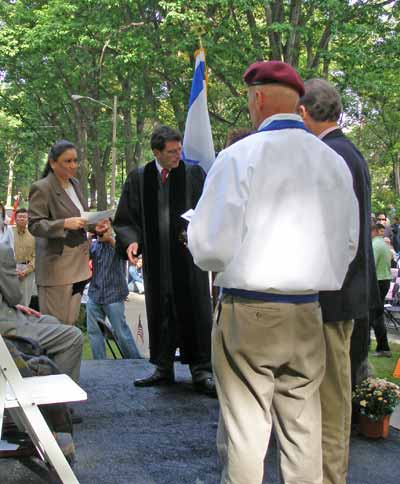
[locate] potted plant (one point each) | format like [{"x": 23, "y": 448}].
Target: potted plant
[{"x": 375, "y": 399}]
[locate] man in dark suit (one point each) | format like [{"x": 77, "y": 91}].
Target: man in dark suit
[
  {"x": 346, "y": 349},
  {"x": 148, "y": 221}
]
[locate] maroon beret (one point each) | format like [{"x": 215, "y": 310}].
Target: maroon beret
[{"x": 266, "y": 72}]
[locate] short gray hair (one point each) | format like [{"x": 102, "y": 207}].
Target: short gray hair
[{"x": 321, "y": 100}]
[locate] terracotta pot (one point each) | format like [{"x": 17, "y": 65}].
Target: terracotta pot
[{"x": 374, "y": 429}]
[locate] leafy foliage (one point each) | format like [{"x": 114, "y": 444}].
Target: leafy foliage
[{"x": 143, "y": 52}]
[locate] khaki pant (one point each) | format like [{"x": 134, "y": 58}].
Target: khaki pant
[
  {"x": 26, "y": 286},
  {"x": 60, "y": 303},
  {"x": 335, "y": 393},
  {"x": 63, "y": 343},
  {"x": 269, "y": 360}
]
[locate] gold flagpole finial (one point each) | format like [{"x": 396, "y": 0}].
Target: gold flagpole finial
[{"x": 200, "y": 30}]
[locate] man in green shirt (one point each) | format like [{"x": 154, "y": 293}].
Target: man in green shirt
[{"x": 383, "y": 257}]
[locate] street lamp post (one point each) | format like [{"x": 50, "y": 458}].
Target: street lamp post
[
  {"x": 78, "y": 97},
  {"x": 114, "y": 152}
]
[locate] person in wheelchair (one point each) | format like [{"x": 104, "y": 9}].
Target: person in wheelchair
[{"x": 62, "y": 343}]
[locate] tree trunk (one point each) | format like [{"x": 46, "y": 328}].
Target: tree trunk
[
  {"x": 11, "y": 164},
  {"x": 274, "y": 14},
  {"x": 113, "y": 152},
  {"x": 139, "y": 136},
  {"x": 289, "y": 52},
  {"x": 36, "y": 161},
  {"x": 126, "y": 110},
  {"x": 81, "y": 132},
  {"x": 92, "y": 191},
  {"x": 97, "y": 164},
  {"x": 143, "y": 97},
  {"x": 177, "y": 108},
  {"x": 83, "y": 178},
  {"x": 396, "y": 174},
  {"x": 100, "y": 177}
]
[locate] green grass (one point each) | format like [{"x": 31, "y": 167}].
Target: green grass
[
  {"x": 384, "y": 367},
  {"x": 87, "y": 352}
]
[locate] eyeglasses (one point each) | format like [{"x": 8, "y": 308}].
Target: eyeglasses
[{"x": 174, "y": 152}]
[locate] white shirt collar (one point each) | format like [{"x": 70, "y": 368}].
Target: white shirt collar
[
  {"x": 274, "y": 117},
  {"x": 327, "y": 131},
  {"x": 159, "y": 167}
]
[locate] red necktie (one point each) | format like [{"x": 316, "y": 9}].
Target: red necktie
[{"x": 164, "y": 176}]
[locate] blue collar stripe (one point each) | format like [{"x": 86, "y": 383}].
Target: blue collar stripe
[
  {"x": 272, "y": 297},
  {"x": 284, "y": 124}
]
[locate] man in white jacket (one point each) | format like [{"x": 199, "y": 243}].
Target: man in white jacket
[{"x": 268, "y": 344}]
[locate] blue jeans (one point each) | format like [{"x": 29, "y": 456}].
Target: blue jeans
[{"x": 115, "y": 313}]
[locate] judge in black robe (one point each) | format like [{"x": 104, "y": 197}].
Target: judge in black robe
[{"x": 148, "y": 221}]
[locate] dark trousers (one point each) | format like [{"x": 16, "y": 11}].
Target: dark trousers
[
  {"x": 377, "y": 320},
  {"x": 359, "y": 344},
  {"x": 169, "y": 336},
  {"x": 170, "y": 342}
]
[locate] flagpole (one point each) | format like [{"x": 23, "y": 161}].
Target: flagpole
[{"x": 200, "y": 30}]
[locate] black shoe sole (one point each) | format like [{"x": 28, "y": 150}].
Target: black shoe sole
[
  {"x": 153, "y": 384},
  {"x": 205, "y": 391}
]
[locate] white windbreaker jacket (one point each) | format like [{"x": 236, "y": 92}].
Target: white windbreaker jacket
[{"x": 278, "y": 214}]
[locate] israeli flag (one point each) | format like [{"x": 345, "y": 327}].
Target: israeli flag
[{"x": 198, "y": 146}]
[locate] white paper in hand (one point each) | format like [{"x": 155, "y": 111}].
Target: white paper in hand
[
  {"x": 188, "y": 215},
  {"x": 96, "y": 217}
]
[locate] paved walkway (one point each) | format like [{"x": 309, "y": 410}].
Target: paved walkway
[{"x": 167, "y": 435}]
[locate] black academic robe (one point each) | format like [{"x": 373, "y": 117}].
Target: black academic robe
[
  {"x": 359, "y": 292},
  {"x": 137, "y": 220}
]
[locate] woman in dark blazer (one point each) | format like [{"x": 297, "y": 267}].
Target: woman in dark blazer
[{"x": 62, "y": 249}]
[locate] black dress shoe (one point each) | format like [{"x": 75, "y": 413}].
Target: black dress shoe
[
  {"x": 206, "y": 386},
  {"x": 75, "y": 417},
  {"x": 157, "y": 378}
]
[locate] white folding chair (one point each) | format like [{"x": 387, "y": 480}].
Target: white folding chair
[{"x": 22, "y": 397}]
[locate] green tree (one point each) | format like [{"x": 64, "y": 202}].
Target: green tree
[{"x": 143, "y": 52}]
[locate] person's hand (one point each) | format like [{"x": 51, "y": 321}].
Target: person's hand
[
  {"x": 74, "y": 223},
  {"x": 102, "y": 227},
  {"x": 107, "y": 237},
  {"x": 20, "y": 274},
  {"x": 28, "y": 311},
  {"x": 135, "y": 261},
  {"x": 131, "y": 252}
]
